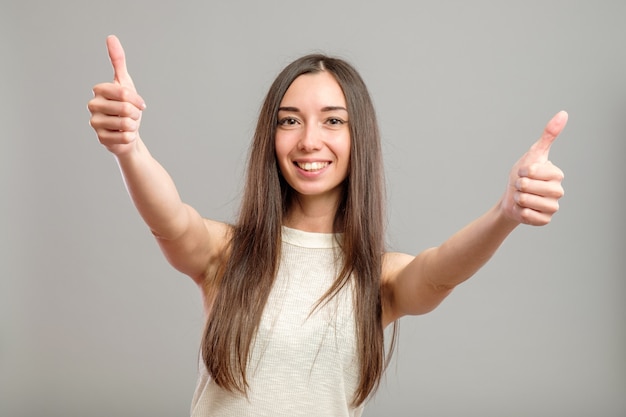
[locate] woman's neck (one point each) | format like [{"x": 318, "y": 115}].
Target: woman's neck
[{"x": 311, "y": 215}]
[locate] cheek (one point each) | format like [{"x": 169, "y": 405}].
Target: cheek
[
  {"x": 348, "y": 156},
  {"x": 346, "y": 149},
  {"x": 282, "y": 142},
  {"x": 282, "y": 166},
  {"x": 281, "y": 152}
]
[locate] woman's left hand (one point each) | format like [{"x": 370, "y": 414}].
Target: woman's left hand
[{"x": 534, "y": 188}]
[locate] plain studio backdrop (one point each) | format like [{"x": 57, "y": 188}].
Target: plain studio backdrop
[{"x": 94, "y": 322}]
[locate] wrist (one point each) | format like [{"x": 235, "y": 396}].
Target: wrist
[
  {"x": 505, "y": 214},
  {"x": 129, "y": 151}
]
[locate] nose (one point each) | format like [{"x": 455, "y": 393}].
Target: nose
[{"x": 310, "y": 139}]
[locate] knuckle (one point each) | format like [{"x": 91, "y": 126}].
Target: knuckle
[
  {"x": 95, "y": 121},
  {"x": 127, "y": 137},
  {"x": 560, "y": 192},
  {"x": 525, "y": 215},
  {"x": 551, "y": 208},
  {"x": 97, "y": 89},
  {"x": 532, "y": 170},
  {"x": 522, "y": 199},
  {"x": 92, "y": 105},
  {"x": 103, "y": 136},
  {"x": 127, "y": 124},
  {"x": 556, "y": 192},
  {"x": 126, "y": 109},
  {"x": 560, "y": 175},
  {"x": 522, "y": 184},
  {"x": 125, "y": 94}
]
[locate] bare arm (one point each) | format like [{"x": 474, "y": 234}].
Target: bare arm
[
  {"x": 416, "y": 285},
  {"x": 188, "y": 241}
]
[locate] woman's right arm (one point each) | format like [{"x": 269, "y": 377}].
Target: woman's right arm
[{"x": 189, "y": 242}]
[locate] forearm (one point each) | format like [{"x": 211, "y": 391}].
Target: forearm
[
  {"x": 459, "y": 257},
  {"x": 153, "y": 192}
]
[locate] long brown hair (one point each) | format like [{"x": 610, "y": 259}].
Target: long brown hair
[{"x": 249, "y": 271}]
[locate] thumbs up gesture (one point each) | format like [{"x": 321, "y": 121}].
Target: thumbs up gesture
[
  {"x": 116, "y": 108},
  {"x": 534, "y": 187}
]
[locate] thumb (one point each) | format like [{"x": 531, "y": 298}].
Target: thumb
[
  {"x": 118, "y": 60},
  {"x": 541, "y": 149}
]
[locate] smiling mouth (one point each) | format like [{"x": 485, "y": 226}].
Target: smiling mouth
[{"x": 312, "y": 166}]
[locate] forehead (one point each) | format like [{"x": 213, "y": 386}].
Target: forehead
[{"x": 316, "y": 89}]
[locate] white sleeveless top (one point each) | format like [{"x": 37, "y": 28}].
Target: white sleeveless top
[{"x": 303, "y": 361}]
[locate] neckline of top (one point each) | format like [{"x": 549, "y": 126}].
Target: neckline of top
[{"x": 312, "y": 240}]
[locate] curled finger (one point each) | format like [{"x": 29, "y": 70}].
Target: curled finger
[
  {"x": 114, "y": 123},
  {"x": 536, "y": 203},
  {"x": 117, "y": 92},
  {"x": 111, "y": 138},
  {"x": 532, "y": 217},
  {"x": 551, "y": 189}
]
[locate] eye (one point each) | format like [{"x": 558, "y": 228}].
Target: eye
[
  {"x": 334, "y": 121},
  {"x": 287, "y": 121}
]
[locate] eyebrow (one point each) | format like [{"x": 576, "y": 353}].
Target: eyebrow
[{"x": 324, "y": 109}]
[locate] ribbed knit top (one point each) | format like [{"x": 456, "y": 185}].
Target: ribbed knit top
[{"x": 304, "y": 360}]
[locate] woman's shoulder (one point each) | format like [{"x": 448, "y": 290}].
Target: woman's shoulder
[{"x": 394, "y": 262}]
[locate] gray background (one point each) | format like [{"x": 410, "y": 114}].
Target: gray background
[{"x": 94, "y": 322}]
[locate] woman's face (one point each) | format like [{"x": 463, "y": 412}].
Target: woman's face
[{"x": 312, "y": 137}]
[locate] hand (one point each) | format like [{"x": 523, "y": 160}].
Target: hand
[
  {"x": 116, "y": 108},
  {"x": 534, "y": 188}
]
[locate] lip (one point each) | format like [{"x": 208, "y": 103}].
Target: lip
[{"x": 310, "y": 174}]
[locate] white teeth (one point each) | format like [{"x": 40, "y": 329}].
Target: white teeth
[{"x": 312, "y": 166}]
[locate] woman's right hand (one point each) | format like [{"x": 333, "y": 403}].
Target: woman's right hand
[{"x": 116, "y": 108}]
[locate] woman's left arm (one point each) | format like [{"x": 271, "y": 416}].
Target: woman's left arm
[{"x": 416, "y": 285}]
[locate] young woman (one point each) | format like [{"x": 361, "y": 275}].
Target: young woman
[{"x": 299, "y": 291}]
